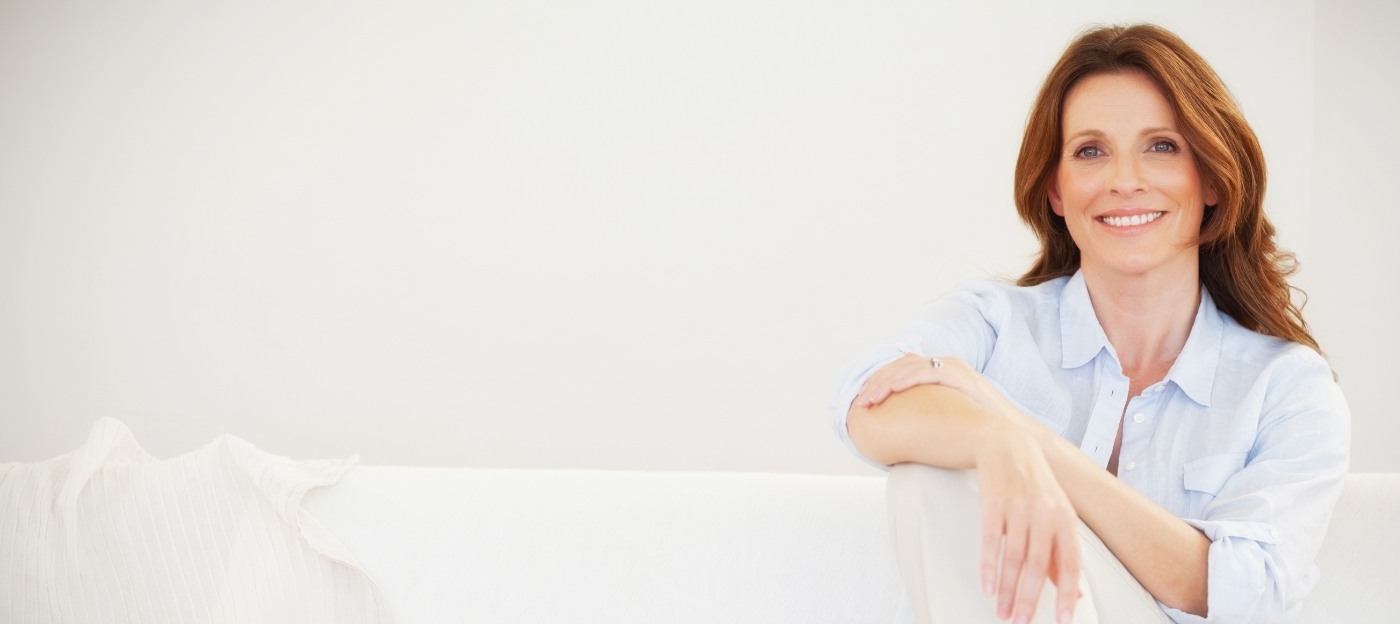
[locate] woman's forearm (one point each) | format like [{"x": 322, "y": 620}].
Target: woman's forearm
[
  {"x": 1164, "y": 553},
  {"x": 929, "y": 424}
]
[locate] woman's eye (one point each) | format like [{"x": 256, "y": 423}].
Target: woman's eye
[
  {"x": 1163, "y": 146},
  {"x": 1088, "y": 151}
]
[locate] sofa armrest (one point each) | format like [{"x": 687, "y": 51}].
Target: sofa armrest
[{"x": 1360, "y": 557}]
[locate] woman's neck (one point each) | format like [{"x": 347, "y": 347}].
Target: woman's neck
[{"x": 1147, "y": 318}]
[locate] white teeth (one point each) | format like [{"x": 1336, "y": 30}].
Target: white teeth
[{"x": 1137, "y": 219}]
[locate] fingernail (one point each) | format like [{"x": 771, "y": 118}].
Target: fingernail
[
  {"x": 988, "y": 588},
  {"x": 1065, "y": 616},
  {"x": 1023, "y": 619}
]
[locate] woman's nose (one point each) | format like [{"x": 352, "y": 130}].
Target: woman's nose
[{"x": 1125, "y": 176}]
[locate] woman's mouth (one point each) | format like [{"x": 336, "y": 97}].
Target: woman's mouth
[{"x": 1130, "y": 221}]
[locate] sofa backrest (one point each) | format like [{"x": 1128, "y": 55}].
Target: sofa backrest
[{"x": 481, "y": 545}]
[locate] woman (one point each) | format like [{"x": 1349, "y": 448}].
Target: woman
[{"x": 1148, "y": 383}]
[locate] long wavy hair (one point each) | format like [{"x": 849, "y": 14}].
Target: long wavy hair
[{"x": 1240, "y": 264}]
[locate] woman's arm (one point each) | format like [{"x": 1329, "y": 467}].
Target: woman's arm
[
  {"x": 1021, "y": 501},
  {"x": 896, "y": 418},
  {"x": 1166, "y": 555}
]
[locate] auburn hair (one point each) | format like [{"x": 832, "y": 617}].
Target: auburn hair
[{"x": 1240, "y": 264}]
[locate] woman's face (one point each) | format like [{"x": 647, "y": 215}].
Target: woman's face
[{"x": 1127, "y": 184}]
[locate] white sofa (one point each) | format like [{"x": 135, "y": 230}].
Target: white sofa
[{"x": 483, "y": 545}]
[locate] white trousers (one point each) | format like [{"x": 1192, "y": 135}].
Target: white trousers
[{"x": 935, "y": 518}]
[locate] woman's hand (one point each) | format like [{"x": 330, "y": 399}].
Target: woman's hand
[
  {"x": 1029, "y": 527},
  {"x": 913, "y": 369}
]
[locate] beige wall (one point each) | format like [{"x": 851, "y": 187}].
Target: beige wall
[{"x": 611, "y": 234}]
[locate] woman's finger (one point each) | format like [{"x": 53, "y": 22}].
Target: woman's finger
[
  {"x": 878, "y": 396},
  {"x": 993, "y": 523},
  {"x": 878, "y": 393},
  {"x": 914, "y": 377},
  {"x": 1032, "y": 578},
  {"x": 880, "y": 384},
  {"x": 875, "y": 386},
  {"x": 1012, "y": 557},
  {"x": 1066, "y": 575}
]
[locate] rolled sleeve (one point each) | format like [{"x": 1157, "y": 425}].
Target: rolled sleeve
[
  {"x": 954, "y": 326},
  {"x": 850, "y": 382},
  {"x": 1245, "y": 581}
]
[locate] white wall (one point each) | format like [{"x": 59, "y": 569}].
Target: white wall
[
  {"x": 1355, "y": 215},
  {"x": 611, "y": 234}
]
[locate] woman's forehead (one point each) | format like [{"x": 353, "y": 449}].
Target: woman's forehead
[{"x": 1104, "y": 102}]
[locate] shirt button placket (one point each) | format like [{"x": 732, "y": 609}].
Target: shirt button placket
[{"x": 1138, "y": 417}]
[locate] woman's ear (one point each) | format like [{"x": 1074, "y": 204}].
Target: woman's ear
[
  {"x": 1053, "y": 190},
  {"x": 1212, "y": 199}
]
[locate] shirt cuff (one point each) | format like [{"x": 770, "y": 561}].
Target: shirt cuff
[
  {"x": 1243, "y": 577},
  {"x": 839, "y": 403}
]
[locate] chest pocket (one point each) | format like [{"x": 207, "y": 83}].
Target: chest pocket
[{"x": 1209, "y": 474}]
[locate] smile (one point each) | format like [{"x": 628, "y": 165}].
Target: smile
[{"x": 1137, "y": 219}]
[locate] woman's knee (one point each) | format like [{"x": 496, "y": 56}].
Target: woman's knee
[{"x": 919, "y": 486}]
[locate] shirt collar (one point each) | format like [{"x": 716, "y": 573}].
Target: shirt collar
[
  {"x": 1194, "y": 369},
  {"x": 1082, "y": 338}
]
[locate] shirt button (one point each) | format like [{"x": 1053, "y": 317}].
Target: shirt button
[
  {"x": 1137, "y": 418},
  {"x": 1130, "y": 465}
]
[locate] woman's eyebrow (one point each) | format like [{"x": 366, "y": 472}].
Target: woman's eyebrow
[
  {"x": 1098, "y": 134},
  {"x": 1159, "y": 129}
]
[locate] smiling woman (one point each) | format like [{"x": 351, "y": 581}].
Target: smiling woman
[
  {"x": 1241, "y": 264},
  {"x": 1146, "y": 408},
  {"x": 1127, "y": 187}
]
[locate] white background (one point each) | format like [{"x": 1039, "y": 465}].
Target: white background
[{"x": 614, "y": 234}]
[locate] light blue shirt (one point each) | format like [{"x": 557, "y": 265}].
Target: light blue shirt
[{"x": 1245, "y": 439}]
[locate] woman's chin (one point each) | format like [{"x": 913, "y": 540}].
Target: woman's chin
[{"x": 1145, "y": 266}]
